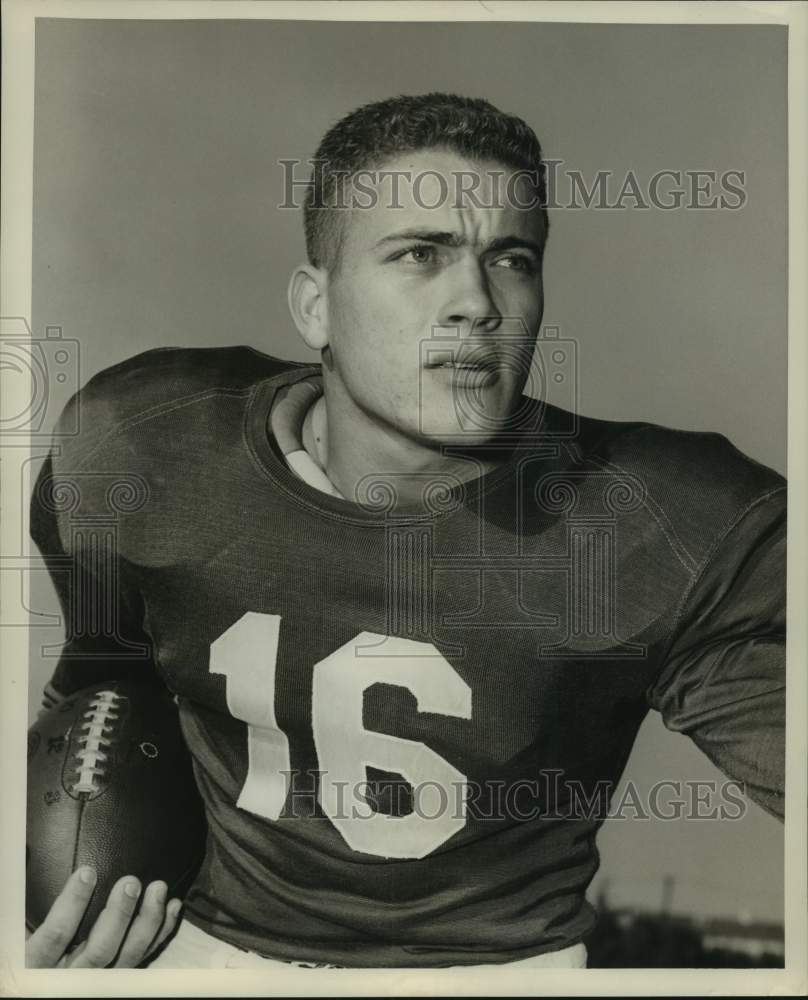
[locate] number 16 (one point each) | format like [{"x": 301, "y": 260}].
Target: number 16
[{"x": 246, "y": 654}]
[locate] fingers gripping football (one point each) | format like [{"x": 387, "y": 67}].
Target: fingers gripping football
[
  {"x": 150, "y": 928},
  {"x": 46, "y": 946},
  {"x": 116, "y": 939}
]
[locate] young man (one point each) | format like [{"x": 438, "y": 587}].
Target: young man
[{"x": 413, "y": 617}]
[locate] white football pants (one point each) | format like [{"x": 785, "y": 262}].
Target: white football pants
[{"x": 192, "y": 948}]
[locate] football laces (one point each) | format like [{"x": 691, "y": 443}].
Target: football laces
[{"x": 90, "y": 755}]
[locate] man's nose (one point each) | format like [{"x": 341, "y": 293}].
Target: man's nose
[{"x": 469, "y": 305}]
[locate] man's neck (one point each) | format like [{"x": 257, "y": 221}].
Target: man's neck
[
  {"x": 355, "y": 454},
  {"x": 314, "y": 432}
]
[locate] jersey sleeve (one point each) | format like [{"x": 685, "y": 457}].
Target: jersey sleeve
[
  {"x": 723, "y": 681},
  {"x": 102, "y": 610}
]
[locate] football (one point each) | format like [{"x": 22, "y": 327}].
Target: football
[{"x": 110, "y": 784}]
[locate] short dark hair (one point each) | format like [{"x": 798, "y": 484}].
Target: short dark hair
[{"x": 377, "y": 132}]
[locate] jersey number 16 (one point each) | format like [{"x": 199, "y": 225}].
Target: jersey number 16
[{"x": 246, "y": 654}]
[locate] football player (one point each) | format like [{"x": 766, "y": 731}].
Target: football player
[{"x": 413, "y": 615}]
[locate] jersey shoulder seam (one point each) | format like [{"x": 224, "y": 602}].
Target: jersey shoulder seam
[
  {"x": 676, "y": 544},
  {"x": 708, "y": 558},
  {"x": 161, "y": 409}
]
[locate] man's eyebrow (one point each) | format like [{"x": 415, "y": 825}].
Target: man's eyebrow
[
  {"x": 513, "y": 243},
  {"x": 448, "y": 239},
  {"x": 451, "y": 239}
]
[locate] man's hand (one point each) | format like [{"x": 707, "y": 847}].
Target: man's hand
[{"x": 115, "y": 939}]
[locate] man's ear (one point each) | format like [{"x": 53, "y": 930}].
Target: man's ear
[{"x": 308, "y": 303}]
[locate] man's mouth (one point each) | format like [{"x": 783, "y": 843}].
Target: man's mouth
[
  {"x": 469, "y": 374},
  {"x": 466, "y": 364}
]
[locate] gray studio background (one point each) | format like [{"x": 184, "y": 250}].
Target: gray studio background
[{"x": 155, "y": 223}]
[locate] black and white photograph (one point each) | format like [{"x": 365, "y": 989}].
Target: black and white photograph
[{"x": 403, "y": 451}]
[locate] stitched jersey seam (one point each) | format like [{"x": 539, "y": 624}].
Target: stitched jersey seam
[
  {"x": 159, "y": 410},
  {"x": 674, "y": 541},
  {"x": 705, "y": 565}
]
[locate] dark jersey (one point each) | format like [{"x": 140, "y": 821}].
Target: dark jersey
[{"x": 406, "y": 722}]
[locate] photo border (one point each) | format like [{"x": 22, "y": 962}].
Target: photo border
[{"x": 17, "y": 193}]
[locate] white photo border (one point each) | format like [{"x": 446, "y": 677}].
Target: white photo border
[{"x": 19, "y": 18}]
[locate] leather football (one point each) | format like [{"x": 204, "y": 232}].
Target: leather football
[{"x": 111, "y": 785}]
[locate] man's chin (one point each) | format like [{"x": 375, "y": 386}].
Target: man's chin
[
  {"x": 468, "y": 439},
  {"x": 475, "y": 418}
]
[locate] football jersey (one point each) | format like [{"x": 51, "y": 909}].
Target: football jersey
[{"x": 407, "y": 720}]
